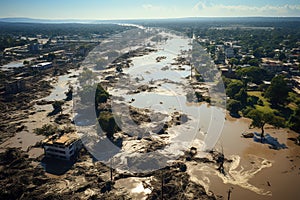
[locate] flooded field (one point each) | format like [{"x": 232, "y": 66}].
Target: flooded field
[{"x": 40, "y": 116}]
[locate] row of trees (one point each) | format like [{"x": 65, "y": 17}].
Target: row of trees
[{"x": 64, "y": 29}]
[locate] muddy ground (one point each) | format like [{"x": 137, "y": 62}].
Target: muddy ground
[
  {"x": 16, "y": 107},
  {"x": 23, "y": 178},
  {"x": 35, "y": 177}
]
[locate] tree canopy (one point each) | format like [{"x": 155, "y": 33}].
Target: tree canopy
[
  {"x": 278, "y": 91},
  {"x": 234, "y": 107},
  {"x": 108, "y": 123},
  {"x": 294, "y": 120},
  {"x": 233, "y": 88},
  {"x": 253, "y": 74}
]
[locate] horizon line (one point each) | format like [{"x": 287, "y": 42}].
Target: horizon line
[{"x": 163, "y": 18}]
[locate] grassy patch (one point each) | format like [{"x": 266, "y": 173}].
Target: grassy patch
[
  {"x": 292, "y": 106},
  {"x": 294, "y": 100},
  {"x": 266, "y": 105}
]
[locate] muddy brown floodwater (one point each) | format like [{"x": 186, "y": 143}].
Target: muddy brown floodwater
[{"x": 257, "y": 171}]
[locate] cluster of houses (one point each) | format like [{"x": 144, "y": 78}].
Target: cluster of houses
[{"x": 290, "y": 67}]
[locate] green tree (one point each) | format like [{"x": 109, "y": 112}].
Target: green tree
[
  {"x": 46, "y": 130},
  {"x": 234, "y": 106},
  {"x": 278, "y": 91},
  {"x": 69, "y": 93},
  {"x": 26, "y": 62},
  {"x": 294, "y": 120},
  {"x": 253, "y": 74},
  {"x": 254, "y": 62},
  {"x": 282, "y": 56},
  {"x": 258, "y": 53},
  {"x": 234, "y": 87},
  {"x": 107, "y": 123},
  {"x": 199, "y": 96},
  {"x": 260, "y": 119},
  {"x": 101, "y": 94},
  {"x": 241, "y": 96},
  {"x": 233, "y": 61}
]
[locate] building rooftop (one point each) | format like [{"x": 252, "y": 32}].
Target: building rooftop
[
  {"x": 42, "y": 64},
  {"x": 65, "y": 139}
]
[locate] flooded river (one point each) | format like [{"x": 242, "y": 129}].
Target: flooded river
[{"x": 256, "y": 171}]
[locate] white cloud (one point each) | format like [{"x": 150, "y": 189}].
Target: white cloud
[{"x": 202, "y": 8}]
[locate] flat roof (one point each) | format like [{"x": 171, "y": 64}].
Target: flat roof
[
  {"x": 65, "y": 139},
  {"x": 42, "y": 64}
]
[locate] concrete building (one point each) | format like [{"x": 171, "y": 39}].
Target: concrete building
[{"x": 65, "y": 147}]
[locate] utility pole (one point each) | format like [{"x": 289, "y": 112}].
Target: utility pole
[
  {"x": 111, "y": 170},
  {"x": 191, "y": 71},
  {"x": 229, "y": 193},
  {"x": 162, "y": 186}
]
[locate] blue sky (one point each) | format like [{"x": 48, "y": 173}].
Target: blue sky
[{"x": 145, "y": 9}]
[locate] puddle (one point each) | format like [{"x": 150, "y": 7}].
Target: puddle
[
  {"x": 135, "y": 187},
  {"x": 62, "y": 86}
]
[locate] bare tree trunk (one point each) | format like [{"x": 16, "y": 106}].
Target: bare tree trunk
[{"x": 262, "y": 136}]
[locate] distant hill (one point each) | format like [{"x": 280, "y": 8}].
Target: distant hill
[
  {"x": 188, "y": 19},
  {"x": 46, "y": 21}
]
